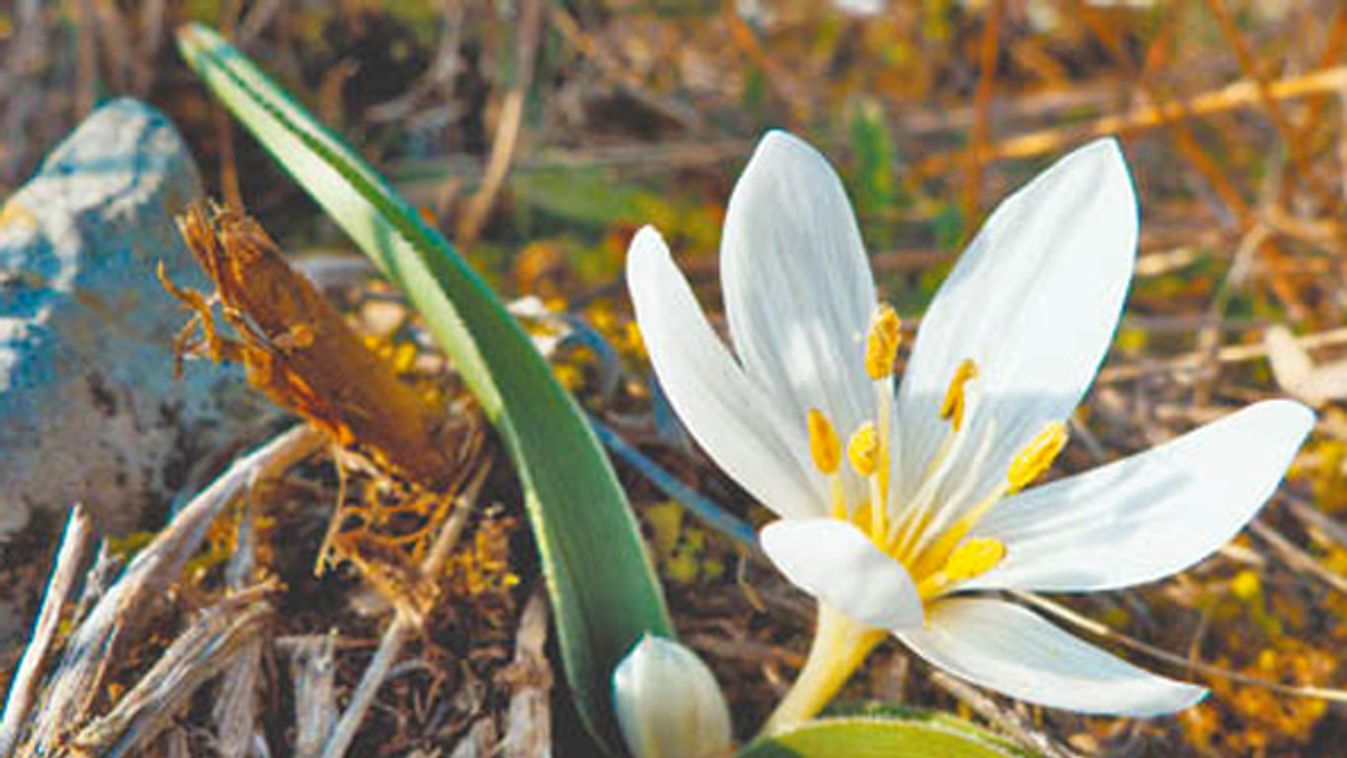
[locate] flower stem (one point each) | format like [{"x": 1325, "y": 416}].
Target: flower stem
[{"x": 840, "y": 645}]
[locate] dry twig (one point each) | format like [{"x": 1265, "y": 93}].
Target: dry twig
[
  {"x": 236, "y": 706},
  {"x": 1241, "y": 94},
  {"x": 1065, "y": 614},
  {"x": 313, "y": 669},
  {"x": 528, "y": 722},
  {"x": 1007, "y": 721},
  {"x": 507, "y": 124},
  {"x": 92, "y": 646},
  {"x": 75, "y": 544},
  {"x": 1295, "y": 558},
  {"x": 215, "y": 641},
  {"x": 406, "y": 619}
]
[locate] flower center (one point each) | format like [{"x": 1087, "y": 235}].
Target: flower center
[{"x": 928, "y": 531}]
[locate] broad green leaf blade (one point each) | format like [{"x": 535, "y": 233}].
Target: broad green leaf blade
[
  {"x": 603, "y": 590},
  {"x": 886, "y": 732}
]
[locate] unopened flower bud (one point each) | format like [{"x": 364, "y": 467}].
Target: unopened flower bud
[{"x": 668, "y": 703}]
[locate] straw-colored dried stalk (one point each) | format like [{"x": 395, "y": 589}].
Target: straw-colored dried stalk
[
  {"x": 211, "y": 644},
  {"x": 93, "y": 645}
]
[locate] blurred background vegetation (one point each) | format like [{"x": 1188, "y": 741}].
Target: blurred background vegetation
[{"x": 539, "y": 134}]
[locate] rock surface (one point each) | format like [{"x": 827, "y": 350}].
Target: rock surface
[{"x": 89, "y": 408}]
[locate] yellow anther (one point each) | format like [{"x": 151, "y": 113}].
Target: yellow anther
[
  {"x": 863, "y": 449},
  {"x": 952, "y": 408},
  {"x": 824, "y": 444},
  {"x": 881, "y": 346},
  {"x": 1036, "y": 457},
  {"x": 973, "y": 558}
]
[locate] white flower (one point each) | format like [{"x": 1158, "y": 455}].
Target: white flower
[
  {"x": 668, "y": 703},
  {"x": 807, "y": 420}
]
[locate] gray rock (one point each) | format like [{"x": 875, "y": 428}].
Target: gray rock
[{"x": 89, "y": 408}]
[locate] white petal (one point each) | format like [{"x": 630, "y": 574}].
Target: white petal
[
  {"x": 1150, "y": 515},
  {"x": 1006, "y": 648},
  {"x": 727, "y": 413},
  {"x": 836, "y": 563},
  {"x": 1033, "y": 301},
  {"x": 798, "y": 292},
  {"x": 668, "y": 703}
]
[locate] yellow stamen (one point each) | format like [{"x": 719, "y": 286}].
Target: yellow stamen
[
  {"x": 974, "y": 558},
  {"x": 839, "y": 497},
  {"x": 881, "y": 346},
  {"x": 825, "y": 447},
  {"x": 1036, "y": 457},
  {"x": 824, "y": 444},
  {"x": 879, "y": 483},
  {"x": 883, "y": 408},
  {"x": 866, "y": 453},
  {"x": 863, "y": 449},
  {"x": 955, "y": 402}
]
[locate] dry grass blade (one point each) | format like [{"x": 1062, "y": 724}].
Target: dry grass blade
[
  {"x": 390, "y": 646},
  {"x": 92, "y": 646},
  {"x": 988, "y": 50},
  {"x": 479, "y": 742},
  {"x": 1227, "y": 354},
  {"x": 507, "y": 126},
  {"x": 1315, "y": 519},
  {"x": 198, "y": 654},
  {"x": 1240, "y": 94},
  {"x": 236, "y": 705},
  {"x": 75, "y": 545},
  {"x": 1295, "y": 557}
]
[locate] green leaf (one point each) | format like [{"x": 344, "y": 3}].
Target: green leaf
[
  {"x": 886, "y": 732},
  {"x": 604, "y": 593},
  {"x": 580, "y": 196},
  {"x": 874, "y": 185}
]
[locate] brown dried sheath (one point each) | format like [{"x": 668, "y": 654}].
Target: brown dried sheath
[{"x": 298, "y": 348}]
